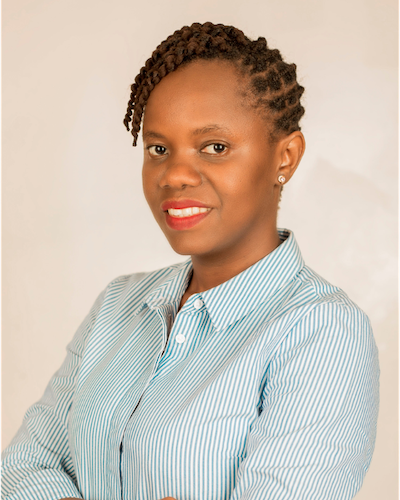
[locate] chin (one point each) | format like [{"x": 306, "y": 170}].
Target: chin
[
  {"x": 188, "y": 249},
  {"x": 188, "y": 245}
]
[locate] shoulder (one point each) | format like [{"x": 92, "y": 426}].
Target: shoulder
[
  {"x": 326, "y": 299},
  {"x": 328, "y": 323},
  {"x": 315, "y": 311},
  {"x": 122, "y": 298},
  {"x": 320, "y": 290},
  {"x": 331, "y": 339}
]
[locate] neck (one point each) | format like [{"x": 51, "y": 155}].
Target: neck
[{"x": 210, "y": 271}]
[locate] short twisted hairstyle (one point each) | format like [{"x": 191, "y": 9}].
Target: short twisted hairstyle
[{"x": 273, "y": 85}]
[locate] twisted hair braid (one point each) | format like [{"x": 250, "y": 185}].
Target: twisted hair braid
[{"x": 273, "y": 86}]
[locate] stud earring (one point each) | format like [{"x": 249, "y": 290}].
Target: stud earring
[{"x": 282, "y": 179}]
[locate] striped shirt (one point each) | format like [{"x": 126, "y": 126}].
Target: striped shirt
[{"x": 264, "y": 387}]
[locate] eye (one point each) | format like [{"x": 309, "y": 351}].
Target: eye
[
  {"x": 214, "y": 149},
  {"x": 157, "y": 150}
]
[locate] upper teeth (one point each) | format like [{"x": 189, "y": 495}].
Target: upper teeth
[{"x": 187, "y": 212}]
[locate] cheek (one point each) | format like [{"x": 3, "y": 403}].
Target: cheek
[
  {"x": 149, "y": 185},
  {"x": 150, "y": 194},
  {"x": 247, "y": 181}
]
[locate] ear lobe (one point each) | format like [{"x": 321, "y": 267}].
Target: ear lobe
[{"x": 292, "y": 149}]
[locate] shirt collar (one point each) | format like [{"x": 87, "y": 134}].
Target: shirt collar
[
  {"x": 173, "y": 287},
  {"x": 232, "y": 300}
]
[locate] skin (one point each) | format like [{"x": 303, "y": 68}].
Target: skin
[
  {"x": 190, "y": 111},
  {"x": 239, "y": 182}
]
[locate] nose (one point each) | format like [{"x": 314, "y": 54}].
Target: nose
[{"x": 180, "y": 173}]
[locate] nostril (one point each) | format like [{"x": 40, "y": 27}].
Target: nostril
[{"x": 180, "y": 175}]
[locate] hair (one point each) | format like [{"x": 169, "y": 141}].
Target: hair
[{"x": 272, "y": 82}]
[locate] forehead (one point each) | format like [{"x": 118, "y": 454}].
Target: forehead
[
  {"x": 202, "y": 91},
  {"x": 202, "y": 76}
]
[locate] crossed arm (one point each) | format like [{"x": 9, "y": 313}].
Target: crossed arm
[{"x": 324, "y": 413}]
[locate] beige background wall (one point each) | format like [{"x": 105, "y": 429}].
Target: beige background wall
[{"x": 74, "y": 216}]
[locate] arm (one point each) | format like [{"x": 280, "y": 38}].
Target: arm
[
  {"x": 315, "y": 435},
  {"x": 37, "y": 463}
]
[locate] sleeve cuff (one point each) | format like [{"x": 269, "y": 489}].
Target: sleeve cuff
[{"x": 44, "y": 485}]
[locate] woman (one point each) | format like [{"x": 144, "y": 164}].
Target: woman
[{"x": 240, "y": 373}]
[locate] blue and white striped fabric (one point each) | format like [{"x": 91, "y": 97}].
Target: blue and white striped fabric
[{"x": 265, "y": 387}]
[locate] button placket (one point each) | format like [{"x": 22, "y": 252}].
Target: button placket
[{"x": 197, "y": 305}]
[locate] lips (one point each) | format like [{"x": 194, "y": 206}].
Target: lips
[
  {"x": 179, "y": 204},
  {"x": 184, "y": 214}
]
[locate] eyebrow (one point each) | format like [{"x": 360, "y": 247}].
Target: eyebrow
[
  {"x": 199, "y": 131},
  {"x": 154, "y": 135},
  {"x": 210, "y": 128}
]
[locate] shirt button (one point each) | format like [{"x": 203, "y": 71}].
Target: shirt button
[
  {"x": 180, "y": 338},
  {"x": 198, "y": 304}
]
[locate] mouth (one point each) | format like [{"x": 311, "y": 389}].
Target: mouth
[
  {"x": 184, "y": 214},
  {"x": 181, "y": 213}
]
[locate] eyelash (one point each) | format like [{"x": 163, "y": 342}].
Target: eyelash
[
  {"x": 149, "y": 148},
  {"x": 215, "y": 144}
]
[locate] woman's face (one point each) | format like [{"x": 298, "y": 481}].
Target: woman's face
[{"x": 209, "y": 170}]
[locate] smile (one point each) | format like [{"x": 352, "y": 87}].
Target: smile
[
  {"x": 181, "y": 219},
  {"x": 187, "y": 212}
]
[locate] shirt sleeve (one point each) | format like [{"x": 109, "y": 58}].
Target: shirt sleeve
[
  {"x": 315, "y": 434},
  {"x": 37, "y": 463}
]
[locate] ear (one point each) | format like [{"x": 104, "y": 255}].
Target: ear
[{"x": 290, "y": 150}]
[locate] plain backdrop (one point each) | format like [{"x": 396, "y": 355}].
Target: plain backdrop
[{"x": 74, "y": 216}]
